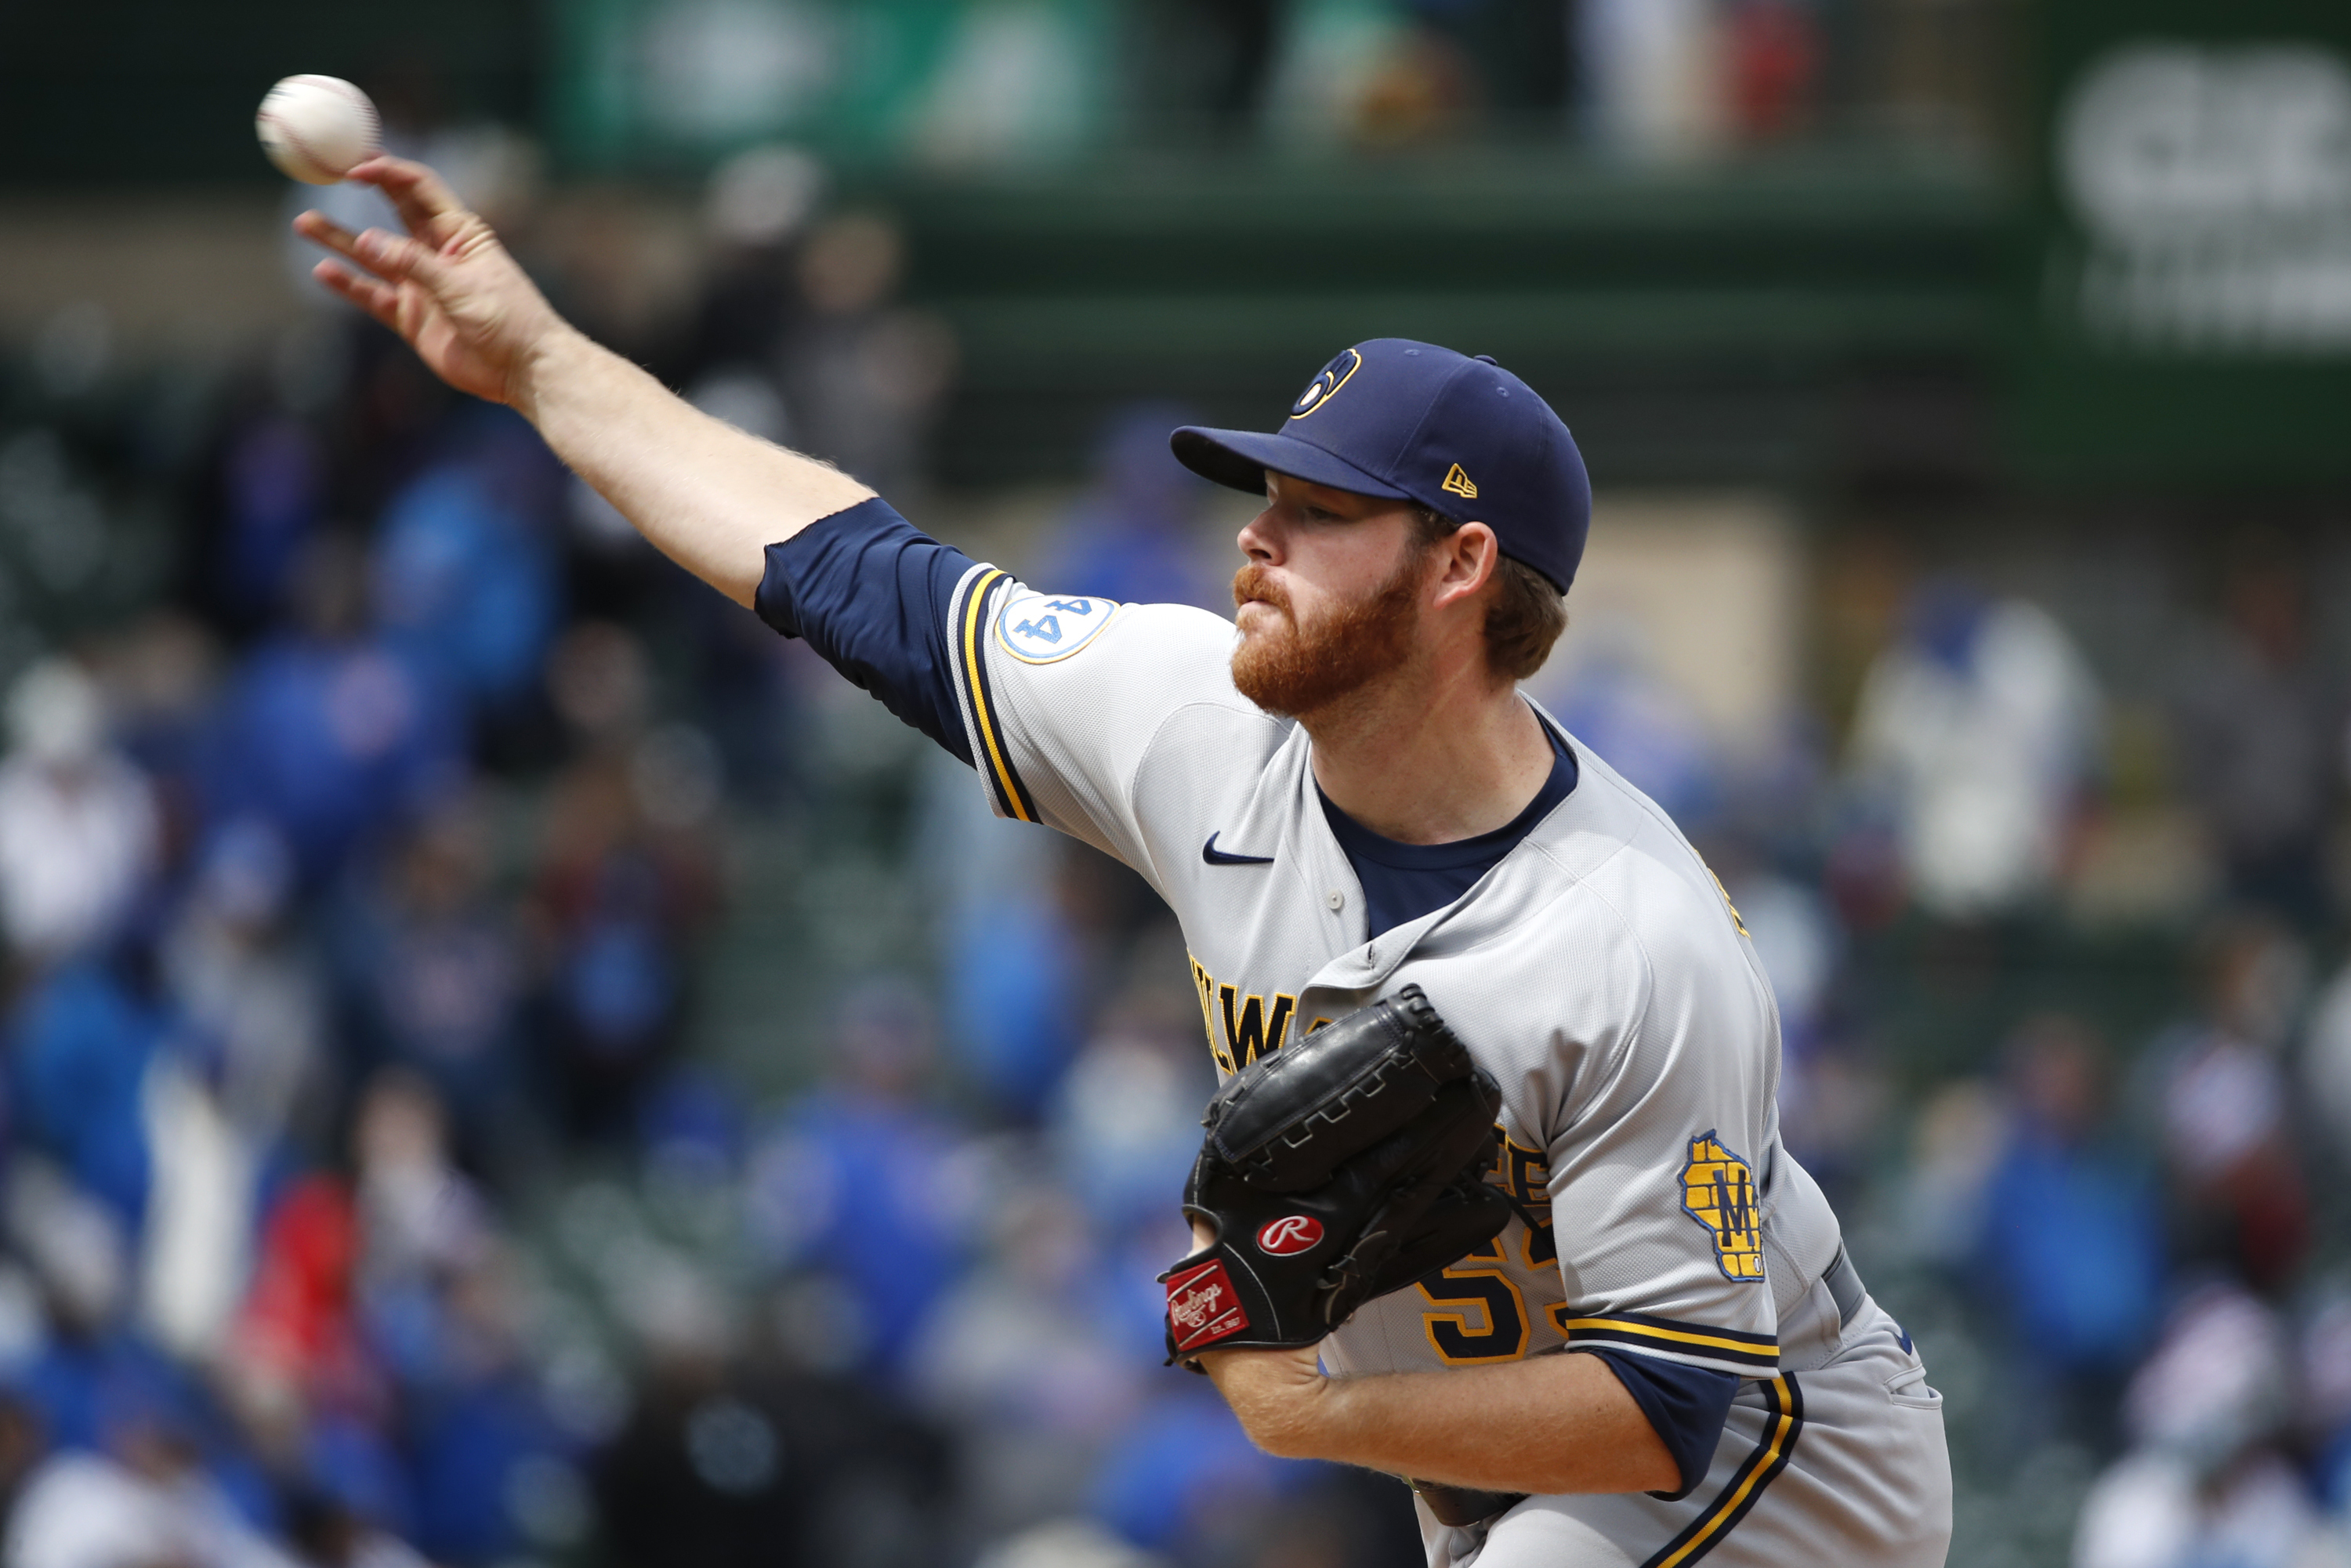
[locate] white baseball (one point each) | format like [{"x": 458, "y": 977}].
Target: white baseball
[{"x": 317, "y": 129}]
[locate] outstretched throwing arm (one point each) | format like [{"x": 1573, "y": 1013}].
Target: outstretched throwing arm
[{"x": 709, "y": 497}]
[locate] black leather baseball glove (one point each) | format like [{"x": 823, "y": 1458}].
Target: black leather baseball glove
[{"x": 1335, "y": 1170}]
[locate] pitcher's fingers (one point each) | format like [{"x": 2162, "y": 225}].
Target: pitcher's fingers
[
  {"x": 380, "y": 300},
  {"x": 320, "y": 229},
  {"x": 395, "y": 259},
  {"x": 416, "y": 193}
]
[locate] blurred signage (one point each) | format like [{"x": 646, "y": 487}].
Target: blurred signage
[
  {"x": 644, "y": 84},
  {"x": 2191, "y": 265}
]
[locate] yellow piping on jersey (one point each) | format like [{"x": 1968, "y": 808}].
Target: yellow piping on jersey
[
  {"x": 1682, "y": 1336},
  {"x": 971, "y": 656},
  {"x": 1768, "y": 1460}
]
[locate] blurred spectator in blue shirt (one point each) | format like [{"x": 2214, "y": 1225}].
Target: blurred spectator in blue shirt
[
  {"x": 354, "y": 1468},
  {"x": 1013, "y": 957},
  {"x": 2073, "y": 1227},
  {"x": 78, "y": 1249},
  {"x": 1610, "y": 694},
  {"x": 625, "y": 877},
  {"x": 1135, "y": 535},
  {"x": 79, "y": 1046},
  {"x": 2326, "y": 1385},
  {"x": 271, "y": 492},
  {"x": 861, "y": 1179},
  {"x": 477, "y": 1430},
  {"x": 329, "y": 732},
  {"x": 1180, "y": 1475},
  {"x": 1124, "y": 1125},
  {"x": 431, "y": 968},
  {"x": 464, "y": 574}
]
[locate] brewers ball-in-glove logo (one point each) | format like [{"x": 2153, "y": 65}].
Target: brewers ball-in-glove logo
[
  {"x": 1718, "y": 1192},
  {"x": 1320, "y": 390}
]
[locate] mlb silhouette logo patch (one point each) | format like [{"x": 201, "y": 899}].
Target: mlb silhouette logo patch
[
  {"x": 1718, "y": 1192},
  {"x": 1046, "y": 628},
  {"x": 1202, "y": 1308}
]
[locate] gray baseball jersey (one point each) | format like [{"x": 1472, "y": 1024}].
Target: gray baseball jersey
[{"x": 1599, "y": 972}]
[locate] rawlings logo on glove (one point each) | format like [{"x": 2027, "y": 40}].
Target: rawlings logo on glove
[
  {"x": 1290, "y": 1233},
  {"x": 1201, "y": 1309},
  {"x": 1354, "y": 1161}
]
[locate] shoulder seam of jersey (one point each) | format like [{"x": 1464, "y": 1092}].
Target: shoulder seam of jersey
[
  {"x": 1659, "y": 817},
  {"x": 991, "y": 750},
  {"x": 1244, "y": 707},
  {"x": 1655, "y": 814},
  {"x": 1631, "y": 1036}
]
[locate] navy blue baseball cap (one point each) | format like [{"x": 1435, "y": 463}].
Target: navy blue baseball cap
[{"x": 1411, "y": 421}]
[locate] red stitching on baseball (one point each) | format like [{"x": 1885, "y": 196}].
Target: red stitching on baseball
[
  {"x": 295, "y": 142},
  {"x": 350, "y": 94}
]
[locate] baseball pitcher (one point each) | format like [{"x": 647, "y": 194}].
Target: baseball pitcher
[{"x": 1492, "y": 1198}]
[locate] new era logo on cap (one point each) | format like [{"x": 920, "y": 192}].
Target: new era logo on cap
[{"x": 1408, "y": 421}]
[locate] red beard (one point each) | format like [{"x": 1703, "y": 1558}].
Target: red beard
[{"x": 1292, "y": 675}]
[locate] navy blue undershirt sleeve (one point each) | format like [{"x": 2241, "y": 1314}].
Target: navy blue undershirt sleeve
[
  {"x": 871, "y": 594},
  {"x": 1687, "y": 1405},
  {"x": 1404, "y": 881}
]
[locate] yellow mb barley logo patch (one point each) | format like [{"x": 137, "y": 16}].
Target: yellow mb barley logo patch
[{"x": 1718, "y": 1192}]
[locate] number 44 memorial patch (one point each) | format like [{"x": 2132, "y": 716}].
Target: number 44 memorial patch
[
  {"x": 1047, "y": 628},
  {"x": 1718, "y": 1192}
]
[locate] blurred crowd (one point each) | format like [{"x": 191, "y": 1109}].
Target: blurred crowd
[
  {"x": 385, "y": 1175},
  {"x": 373, "y": 815},
  {"x": 974, "y": 83},
  {"x": 2118, "y": 1225}
]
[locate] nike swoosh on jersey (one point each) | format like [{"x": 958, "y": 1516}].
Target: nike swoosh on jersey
[{"x": 1215, "y": 856}]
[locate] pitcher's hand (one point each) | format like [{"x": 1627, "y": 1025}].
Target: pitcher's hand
[{"x": 449, "y": 287}]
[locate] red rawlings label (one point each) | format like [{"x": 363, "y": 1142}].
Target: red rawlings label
[
  {"x": 1202, "y": 1308},
  {"x": 1290, "y": 1235}
]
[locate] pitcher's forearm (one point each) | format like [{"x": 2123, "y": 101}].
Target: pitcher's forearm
[
  {"x": 1550, "y": 1424},
  {"x": 707, "y": 496},
  {"x": 1554, "y": 1423}
]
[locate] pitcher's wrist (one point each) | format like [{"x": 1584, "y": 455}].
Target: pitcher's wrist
[{"x": 552, "y": 354}]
